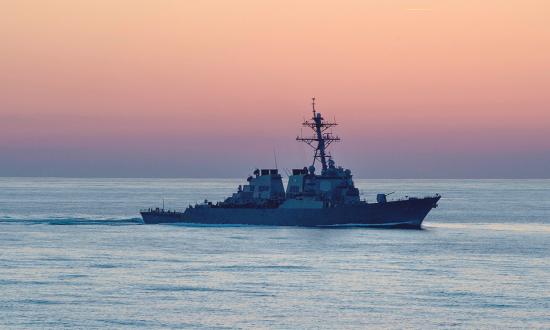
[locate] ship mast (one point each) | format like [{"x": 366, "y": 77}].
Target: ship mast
[{"x": 322, "y": 139}]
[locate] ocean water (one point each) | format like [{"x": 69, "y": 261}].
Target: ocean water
[{"x": 74, "y": 254}]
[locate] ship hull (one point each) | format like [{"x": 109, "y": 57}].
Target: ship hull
[{"x": 396, "y": 214}]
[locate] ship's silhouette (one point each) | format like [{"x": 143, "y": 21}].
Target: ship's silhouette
[{"x": 329, "y": 198}]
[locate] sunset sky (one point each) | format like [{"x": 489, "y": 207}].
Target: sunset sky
[{"x": 134, "y": 88}]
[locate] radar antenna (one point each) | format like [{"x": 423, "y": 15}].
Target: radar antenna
[{"x": 321, "y": 139}]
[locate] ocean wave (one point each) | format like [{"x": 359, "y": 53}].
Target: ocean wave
[
  {"x": 122, "y": 221},
  {"x": 502, "y": 226}
]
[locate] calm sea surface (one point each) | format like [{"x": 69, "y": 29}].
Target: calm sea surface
[{"x": 73, "y": 253}]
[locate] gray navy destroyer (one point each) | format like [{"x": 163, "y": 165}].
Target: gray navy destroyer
[{"x": 325, "y": 199}]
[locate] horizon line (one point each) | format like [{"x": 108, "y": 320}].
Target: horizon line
[{"x": 237, "y": 178}]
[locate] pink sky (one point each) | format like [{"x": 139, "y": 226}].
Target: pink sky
[{"x": 210, "y": 88}]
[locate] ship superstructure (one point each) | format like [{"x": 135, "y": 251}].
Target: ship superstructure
[{"x": 329, "y": 198}]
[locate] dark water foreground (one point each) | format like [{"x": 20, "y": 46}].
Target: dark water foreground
[{"x": 74, "y": 254}]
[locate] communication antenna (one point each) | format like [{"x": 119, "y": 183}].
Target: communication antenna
[
  {"x": 322, "y": 136},
  {"x": 275, "y": 157},
  {"x": 163, "y": 204}
]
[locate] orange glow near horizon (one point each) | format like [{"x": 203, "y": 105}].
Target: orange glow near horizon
[{"x": 464, "y": 84}]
